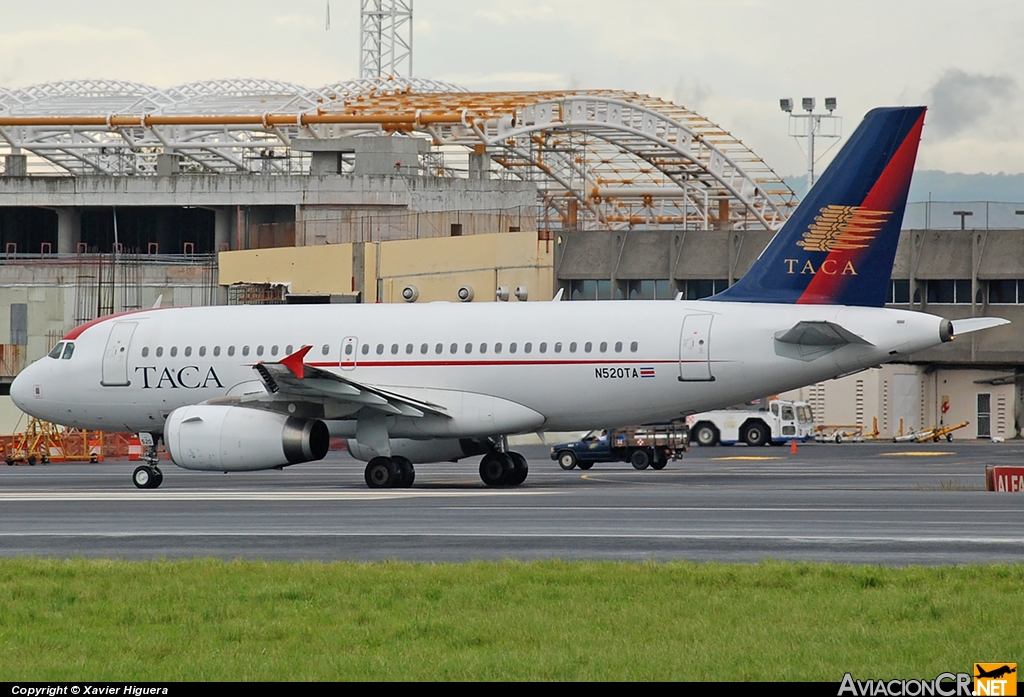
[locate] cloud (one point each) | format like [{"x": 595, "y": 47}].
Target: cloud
[{"x": 959, "y": 100}]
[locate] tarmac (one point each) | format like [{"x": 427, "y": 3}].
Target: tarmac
[{"x": 858, "y": 503}]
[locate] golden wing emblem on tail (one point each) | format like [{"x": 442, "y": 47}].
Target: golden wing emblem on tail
[{"x": 843, "y": 228}]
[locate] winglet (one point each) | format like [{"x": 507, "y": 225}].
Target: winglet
[{"x": 295, "y": 363}]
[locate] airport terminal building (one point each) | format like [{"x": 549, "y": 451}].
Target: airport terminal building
[{"x": 114, "y": 195}]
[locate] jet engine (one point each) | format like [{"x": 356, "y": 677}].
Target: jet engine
[
  {"x": 418, "y": 451},
  {"x": 237, "y": 439}
]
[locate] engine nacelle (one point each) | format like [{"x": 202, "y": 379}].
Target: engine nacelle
[
  {"x": 419, "y": 451},
  {"x": 238, "y": 439}
]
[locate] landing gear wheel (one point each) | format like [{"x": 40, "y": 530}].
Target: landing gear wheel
[
  {"x": 705, "y": 435},
  {"x": 381, "y": 473},
  {"x": 158, "y": 478},
  {"x": 519, "y": 471},
  {"x": 756, "y": 435},
  {"x": 495, "y": 468},
  {"x": 567, "y": 459},
  {"x": 145, "y": 477},
  {"x": 584, "y": 465},
  {"x": 406, "y": 472},
  {"x": 640, "y": 459}
]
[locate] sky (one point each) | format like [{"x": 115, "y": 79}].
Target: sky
[{"x": 729, "y": 60}]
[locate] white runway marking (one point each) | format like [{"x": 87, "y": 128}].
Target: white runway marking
[{"x": 197, "y": 495}]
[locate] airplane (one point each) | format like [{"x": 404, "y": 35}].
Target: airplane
[{"x": 261, "y": 387}]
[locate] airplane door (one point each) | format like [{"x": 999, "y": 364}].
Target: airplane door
[
  {"x": 349, "y": 353},
  {"x": 694, "y": 349},
  {"x": 115, "y": 357}
]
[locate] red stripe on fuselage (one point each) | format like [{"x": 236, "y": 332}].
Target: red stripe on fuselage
[{"x": 890, "y": 188}]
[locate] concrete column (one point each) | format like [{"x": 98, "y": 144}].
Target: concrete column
[
  {"x": 479, "y": 165},
  {"x": 69, "y": 230},
  {"x": 16, "y": 165},
  {"x": 222, "y": 228},
  {"x": 167, "y": 164}
]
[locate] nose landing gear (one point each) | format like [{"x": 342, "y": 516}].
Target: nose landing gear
[{"x": 148, "y": 476}]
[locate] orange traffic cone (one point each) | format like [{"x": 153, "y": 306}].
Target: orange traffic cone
[{"x": 792, "y": 446}]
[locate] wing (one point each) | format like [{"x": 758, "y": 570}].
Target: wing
[{"x": 292, "y": 379}]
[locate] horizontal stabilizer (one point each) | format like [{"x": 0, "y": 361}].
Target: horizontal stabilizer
[
  {"x": 976, "y": 324},
  {"x": 820, "y": 333}
]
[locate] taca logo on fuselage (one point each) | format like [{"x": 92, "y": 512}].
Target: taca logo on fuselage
[{"x": 189, "y": 377}]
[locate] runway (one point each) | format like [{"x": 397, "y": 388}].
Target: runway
[{"x": 876, "y": 503}]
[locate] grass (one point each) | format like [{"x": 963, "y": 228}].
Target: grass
[{"x": 550, "y": 620}]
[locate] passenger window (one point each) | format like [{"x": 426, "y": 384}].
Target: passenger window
[
  {"x": 348, "y": 349},
  {"x": 512, "y": 347},
  {"x": 69, "y": 350},
  {"x": 618, "y": 347},
  {"x": 259, "y": 350},
  {"x": 366, "y": 349},
  {"x": 188, "y": 351},
  {"x": 439, "y": 348},
  {"x": 288, "y": 350},
  {"x": 216, "y": 350},
  {"x": 633, "y": 347},
  {"x": 231, "y": 351},
  {"x": 394, "y": 349},
  {"x": 483, "y": 348},
  {"x": 604, "y": 346},
  {"x": 558, "y": 347},
  {"x": 145, "y": 352},
  {"x": 245, "y": 350},
  {"x": 174, "y": 351},
  {"x": 543, "y": 347},
  {"x": 326, "y": 349},
  {"x": 273, "y": 350},
  {"x": 202, "y": 350},
  {"x": 587, "y": 346},
  {"x": 59, "y": 348},
  {"x": 454, "y": 348},
  {"x": 469, "y": 348},
  {"x": 380, "y": 349},
  {"x": 528, "y": 347},
  {"x": 572, "y": 347},
  {"x": 424, "y": 348},
  {"x": 497, "y": 347},
  {"x": 159, "y": 351},
  {"x": 408, "y": 348}
]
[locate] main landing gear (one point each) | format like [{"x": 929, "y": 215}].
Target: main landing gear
[
  {"x": 148, "y": 476},
  {"x": 496, "y": 469},
  {"x": 503, "y": 469},
  {"x": 390, "y": 473}
]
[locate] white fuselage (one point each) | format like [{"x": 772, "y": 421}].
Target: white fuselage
[{"x": 575, "y": 365}]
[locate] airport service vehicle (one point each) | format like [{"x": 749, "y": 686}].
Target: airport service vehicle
[
  {"x": 263, "y": 387},
  {"x": 759, "y": 422},
  {"x": 640, "y": 446}
]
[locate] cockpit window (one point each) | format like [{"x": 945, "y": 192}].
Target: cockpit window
[
  {"x": 69, "y": 349},
  {"x": 56, "y": 351}
]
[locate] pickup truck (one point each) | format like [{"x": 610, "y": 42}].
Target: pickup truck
[{"x": 640, "y": 446}]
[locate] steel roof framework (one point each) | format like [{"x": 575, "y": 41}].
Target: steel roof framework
[{"x": 599, "y": 158}]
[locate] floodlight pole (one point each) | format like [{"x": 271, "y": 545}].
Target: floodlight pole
[{"x": 809, "y": 126}]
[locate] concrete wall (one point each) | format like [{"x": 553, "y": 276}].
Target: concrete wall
[
  {"x": 436, "y": 267},
  {"x": 911, "y": 397}
]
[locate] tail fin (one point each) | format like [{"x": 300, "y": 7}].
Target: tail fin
[{"x": 838, "y": 246}]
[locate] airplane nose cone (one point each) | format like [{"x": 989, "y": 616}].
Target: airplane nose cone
[{"x": 21, "y": 390}]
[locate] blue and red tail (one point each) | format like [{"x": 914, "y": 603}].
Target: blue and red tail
[{"x": 838, "y": 247}]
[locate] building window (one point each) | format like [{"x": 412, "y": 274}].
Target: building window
[
  {"x": 899, "y": 291},
  {"x": 660, "y": 289},
  {"x": 593, "y": 290},
  {"x": 1005, "y": 292},
  {"x": 695, "y": 289},
  {"x": 948, "y": 292}
]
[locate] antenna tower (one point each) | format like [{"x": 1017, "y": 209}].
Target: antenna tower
[{"x": 385, "y": 38}]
